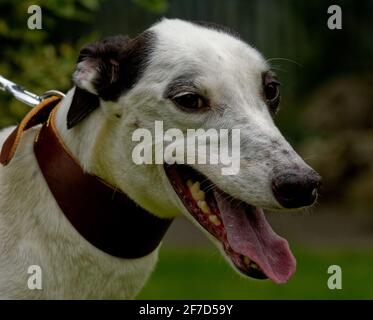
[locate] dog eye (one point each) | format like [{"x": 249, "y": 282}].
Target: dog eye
[
  {"x": 190, "y": 101},
  {"x": 271, "y": 90}
]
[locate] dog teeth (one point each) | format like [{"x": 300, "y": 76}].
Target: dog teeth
[
  {"x": 250, "y": 264},
  {"x": 253, "y": 265},
  {"x": 199, "y": 196},
  {"x": 204, "y": 206},
  {"x": 247, "y": 261},
  {"x": 215, "y": 220},
  {"x": 195, "y": 190}
]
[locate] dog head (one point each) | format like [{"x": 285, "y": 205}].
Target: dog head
[{"x": 193, "y": 76}]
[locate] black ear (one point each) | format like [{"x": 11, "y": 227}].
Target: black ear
[
  {"x": 82, "y": 104},
  {"x": 105, "y": 70}
]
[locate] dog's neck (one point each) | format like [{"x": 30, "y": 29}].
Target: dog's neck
[
  {"x": 89, "y": 142},
  {"x": 81, "y": 140}
]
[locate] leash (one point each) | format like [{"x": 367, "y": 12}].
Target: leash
[
  {"x": 103, "y": 215},
  {"x": 26, "y": 97}
]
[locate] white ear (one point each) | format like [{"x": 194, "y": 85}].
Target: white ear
[{"x": 85, "y": 74}]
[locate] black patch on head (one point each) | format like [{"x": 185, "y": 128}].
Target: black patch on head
[
  {"x": 119, "y": 63},
  {"x": 218, "y": 27}
]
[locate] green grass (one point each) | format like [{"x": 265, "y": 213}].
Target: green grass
[{"x": 203, "y": 274}]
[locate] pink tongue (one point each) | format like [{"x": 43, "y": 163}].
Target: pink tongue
[{"x": 250, "y": 234}]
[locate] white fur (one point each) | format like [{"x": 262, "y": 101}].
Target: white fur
[{"x": 33, "y": 229}]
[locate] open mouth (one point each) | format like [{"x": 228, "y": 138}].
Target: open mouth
[{"x": 242, "y": 229}]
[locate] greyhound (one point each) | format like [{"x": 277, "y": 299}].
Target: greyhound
[{"x": 189, "y": 75}]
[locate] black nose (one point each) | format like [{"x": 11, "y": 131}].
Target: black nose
[{"x": 296, "y": 190}]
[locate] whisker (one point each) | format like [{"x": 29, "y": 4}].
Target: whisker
[
  {"x": 285, "y": 59},
  {"x": 273, "y": 67}
]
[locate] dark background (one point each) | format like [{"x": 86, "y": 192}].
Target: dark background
[{"x": 327, "y": 114}]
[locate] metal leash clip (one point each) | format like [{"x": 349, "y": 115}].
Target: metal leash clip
[{"x": 25, "y": 96}]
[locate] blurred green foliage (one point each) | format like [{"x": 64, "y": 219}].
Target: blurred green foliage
[
  {"x": 154, "y": 6},
  {"x": 44, "y": 59}
]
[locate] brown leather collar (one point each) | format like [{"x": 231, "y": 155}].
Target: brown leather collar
[{"x": 103, "y": 215}]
